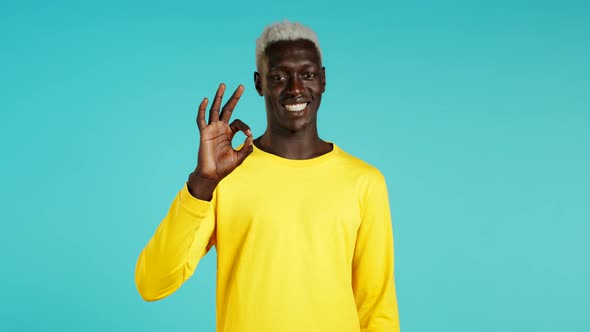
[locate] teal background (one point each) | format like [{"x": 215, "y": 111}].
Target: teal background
[{"x": 476, "y": 112}]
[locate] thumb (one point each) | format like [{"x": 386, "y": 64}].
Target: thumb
[{"x": 246, "y": 149}]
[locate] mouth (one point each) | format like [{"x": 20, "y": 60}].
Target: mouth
[{"x": 295, "y": 107}]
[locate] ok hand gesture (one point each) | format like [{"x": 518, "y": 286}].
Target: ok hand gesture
[{"x": 217, "y": 158}]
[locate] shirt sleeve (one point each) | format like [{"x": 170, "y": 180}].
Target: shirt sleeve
[
  {"x": 373, "y": 263},
  {"x": 171, "y": 256}
]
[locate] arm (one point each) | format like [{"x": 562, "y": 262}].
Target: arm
[
  {"x": 373, "y": 263},
  {"x": 188, "y": 231},
  {"x": 184, "y": 236}
]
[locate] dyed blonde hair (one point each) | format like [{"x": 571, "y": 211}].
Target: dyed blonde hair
[{"x": 283, "y": 31}]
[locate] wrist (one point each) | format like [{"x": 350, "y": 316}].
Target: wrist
[{"x": 200, "y": 187}]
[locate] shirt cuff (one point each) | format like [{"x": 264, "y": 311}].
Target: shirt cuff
[{"x": 195, "y": 206}]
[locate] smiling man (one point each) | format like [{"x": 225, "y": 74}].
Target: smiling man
[{"x": 302, "y": 229}]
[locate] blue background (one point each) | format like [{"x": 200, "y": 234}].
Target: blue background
[{"x": 476, "y": 112}]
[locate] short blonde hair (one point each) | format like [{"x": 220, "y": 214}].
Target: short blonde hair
[{"x": 283, "y": 31}]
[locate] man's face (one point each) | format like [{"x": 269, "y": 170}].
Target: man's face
[{"x": 292, "y": 81}]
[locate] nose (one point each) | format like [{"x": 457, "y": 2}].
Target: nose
[{"x": 295, "y": 86}]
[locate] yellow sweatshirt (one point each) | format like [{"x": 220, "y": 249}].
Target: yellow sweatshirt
[{"x": 302, "y": 246}]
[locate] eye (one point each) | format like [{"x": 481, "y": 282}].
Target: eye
[
  {"x": 309, "y": 76},
  {"x": 278, "y": 77}
]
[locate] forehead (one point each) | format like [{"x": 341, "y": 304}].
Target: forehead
[{"x": 292, "y": 52}]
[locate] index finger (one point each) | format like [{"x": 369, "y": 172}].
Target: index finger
[{"x": 228, "y": 108}]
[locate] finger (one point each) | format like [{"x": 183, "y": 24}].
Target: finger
[
  {"x": 201, "y": 123},
  {"x": 246, "y": 149},
  {"x": 228, "y": 108},
  {"x": 238, "y": 125},
  {"x": 214, "y": 112}
]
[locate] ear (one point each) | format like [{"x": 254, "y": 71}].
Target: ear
[
  {"x": 323, "y": 79},
  {"x": 258, "y": 83}
]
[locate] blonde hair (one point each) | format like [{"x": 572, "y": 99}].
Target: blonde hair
[{"x": 283, "y": 31}]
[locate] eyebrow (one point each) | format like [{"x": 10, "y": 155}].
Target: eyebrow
[{"x": 304, "y": 66}]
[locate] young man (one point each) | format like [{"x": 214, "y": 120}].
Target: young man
[{"x": 302, "y": 229}]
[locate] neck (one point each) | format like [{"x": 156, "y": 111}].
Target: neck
[{"x": 299, "y": 145}]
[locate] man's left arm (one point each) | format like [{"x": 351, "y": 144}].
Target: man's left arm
[{"x": 373, "y": 262}]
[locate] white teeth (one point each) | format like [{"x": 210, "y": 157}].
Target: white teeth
[{"x": 296, "y": 107}]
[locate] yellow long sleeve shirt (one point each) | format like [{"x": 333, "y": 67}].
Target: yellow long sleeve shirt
[{"x": 302, "y": 246}]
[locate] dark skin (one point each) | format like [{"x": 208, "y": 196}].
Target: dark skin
[{"x": 292, "y": 76}]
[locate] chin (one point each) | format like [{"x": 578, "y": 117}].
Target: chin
[
  {"x": 283, "y": 121},
  {"x": 297, "y": 125}
]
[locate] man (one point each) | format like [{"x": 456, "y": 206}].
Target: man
[{"x": 302, "y": 229}]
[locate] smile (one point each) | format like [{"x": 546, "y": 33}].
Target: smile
[{"x": 296, "y": 107}]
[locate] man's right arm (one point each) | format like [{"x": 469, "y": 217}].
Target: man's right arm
[
  {"x": 183, "y": 237},
  {"x": 188, "y": 231}
]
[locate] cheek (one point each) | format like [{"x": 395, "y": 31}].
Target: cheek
[
  {"x": 315, "y": 89},
  {"x": 274, "y": 91},
  {"x": 272, "y": 97}
]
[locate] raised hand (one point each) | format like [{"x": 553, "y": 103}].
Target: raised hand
[{"x": 217, "y": 158}]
